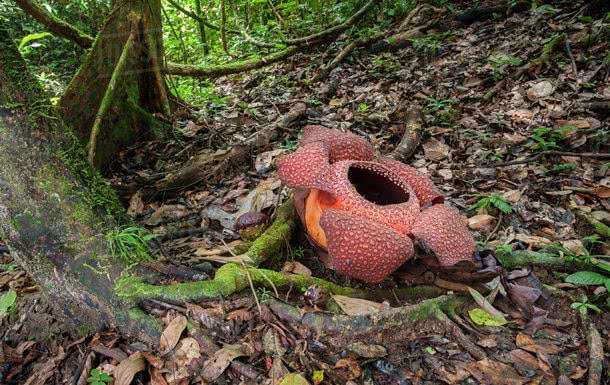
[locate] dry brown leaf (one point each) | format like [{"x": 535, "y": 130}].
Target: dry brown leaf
[
  {"x": 526, "y": 342},
  {"x": 452, "y": 377},
  {"x": 601, "y": 191},
  {"x": 579, "y": 123},
  {"x": 239, "y": 259},
  {"x": 153, "y": 361},
  {"x": 350, "y": 364},
  {"x": 171, "y": 334},
  {"x": 533, "y": 241},
  {"x": 42, "y": 374},
  {"x": 357, "y": 306},
  {"x": 205, "y": 252},
  {"x": 272, "y": 343},
  {"x": 156, "y": 378},
  {"x": 295, "y": 267},
  {"x": 127, "y": 369},
  {"x": 181, "y": 360},
  {"x": 512, "y": 196},
  {"x": 167, "y": 213},
  {"x": 136, "y": 203},
  {"x": 278, "y": 371},
  {"x": 522, "y": 357},
  {"x": 220, "y": 361},
  {"x": 480, "y": 221},
  {"x": 488, "y": 371},
  {"x": 435, "y": 150}
]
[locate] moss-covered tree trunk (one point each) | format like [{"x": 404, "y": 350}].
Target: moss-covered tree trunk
[
  {"x": 111, "y": 101},
  {"x": 52, "y": 221}
]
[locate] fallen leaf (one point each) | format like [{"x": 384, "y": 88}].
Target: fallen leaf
[
  {"x": 526, "y": 342},
  {"x": 488, "y": 371},
  {"x": 580, "y": 123},
  {"x": 278, "y": 371},
  {"x": 481, "y": 317},
  {"x": 452, "y": 377},
  {"x": 294, "y": 379},
  {"x": 512, "y": 196},
  {"x": 435, "y": 150},
  {"x": 272, "y": 343},
  {"x": 136, "y": 204},
  {"x": 167, "y": 213},
  {"x": 485, "y": 305},
  {"x": 601, "y": 191},
  {"x": 295, "y": 267},
  {"x": 172, "y": 333},
  {"x": 264, "y": 161},
  {"x": 221, "y": 359},
  {"x": 180, "y": 365},
  {"x": 488, "y": 341},
  {"x": 540, "y": 90},
  {"x": 367, "y": 350},
  {"x": 156, "y": 378},
  {"x": 480, "y": 221},
  {"x": 127, "y": 369},
  {"x": 350, "y": 364},
  {"x": 357, "y": 306}
]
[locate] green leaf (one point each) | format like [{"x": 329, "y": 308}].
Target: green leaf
[
  {"x": 318, "y": 376},
  {"x": 481, "y": 317},
  {"x": 32, "y": 37},
  {"x": 586, "y": 278},
  {"x": 7, "y": 301}
]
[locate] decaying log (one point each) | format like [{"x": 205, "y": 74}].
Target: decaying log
[{"x": 411, "y": 136}]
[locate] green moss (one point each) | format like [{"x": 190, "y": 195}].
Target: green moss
[
  {"x": 229, "y": 279},
  {"x": 276, "y": 237}
]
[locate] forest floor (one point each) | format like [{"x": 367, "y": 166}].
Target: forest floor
[{"x": 559, "y": 104}]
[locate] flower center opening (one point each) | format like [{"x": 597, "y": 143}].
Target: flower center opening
[{"x": 376, "y": 185}]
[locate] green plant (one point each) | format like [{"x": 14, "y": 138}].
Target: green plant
[
  {"x": 490, "y": 201},
  {"x": 546, "y": 138},
  {"x": 500, "y": 63},
  {"x": 130, "y": 243},
  {"x": 99, "y": 378},
  {"x": 264, "y": 295},
  {"x": 7, "y": 302},
  {"x": 443, "y": 110},
  {"x": 299, "y": 252},
  {"x": 584, "y": 306},
  {"x": 563, "y": 167},
  {"x": 430, "y": 43}
]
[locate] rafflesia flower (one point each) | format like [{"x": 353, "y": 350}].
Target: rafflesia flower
[{"x": 367, "y": 212}]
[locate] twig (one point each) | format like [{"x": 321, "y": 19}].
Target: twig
[
  {"x": 571, "y": 56},
  {"x": 248, "y": 276},
  {"x": 599, "y": 155},
  {"x": 495, "y": 229}
]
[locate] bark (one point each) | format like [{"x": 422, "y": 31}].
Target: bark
[
  {"x": 110, "y": 102},
  {"x": 55, "y": 208},
  {"x": 55, "y": 25}
]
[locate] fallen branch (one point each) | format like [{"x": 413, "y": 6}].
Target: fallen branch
[
  {"x": 54, "y": 24},
  {"x": 229, "y": 68},
  {"x": 411, "y": 135},
  {"x": 599, "y": 155},
  {"x": 200, "y": 167}
]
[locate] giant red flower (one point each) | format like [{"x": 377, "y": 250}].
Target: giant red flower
[{"x": 368, "y": 212}]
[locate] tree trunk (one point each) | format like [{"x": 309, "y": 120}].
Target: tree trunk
[
  {"x": 110, "y": 102},
  {"x": 55, "y": 208}
]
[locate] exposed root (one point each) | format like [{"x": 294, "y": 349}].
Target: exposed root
[
  {"x": 550, "y": 261},
  {"x": 600, "y": 228},
  {"x": 355, "y": 327},
  {"x": 596, "y": 351}
]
